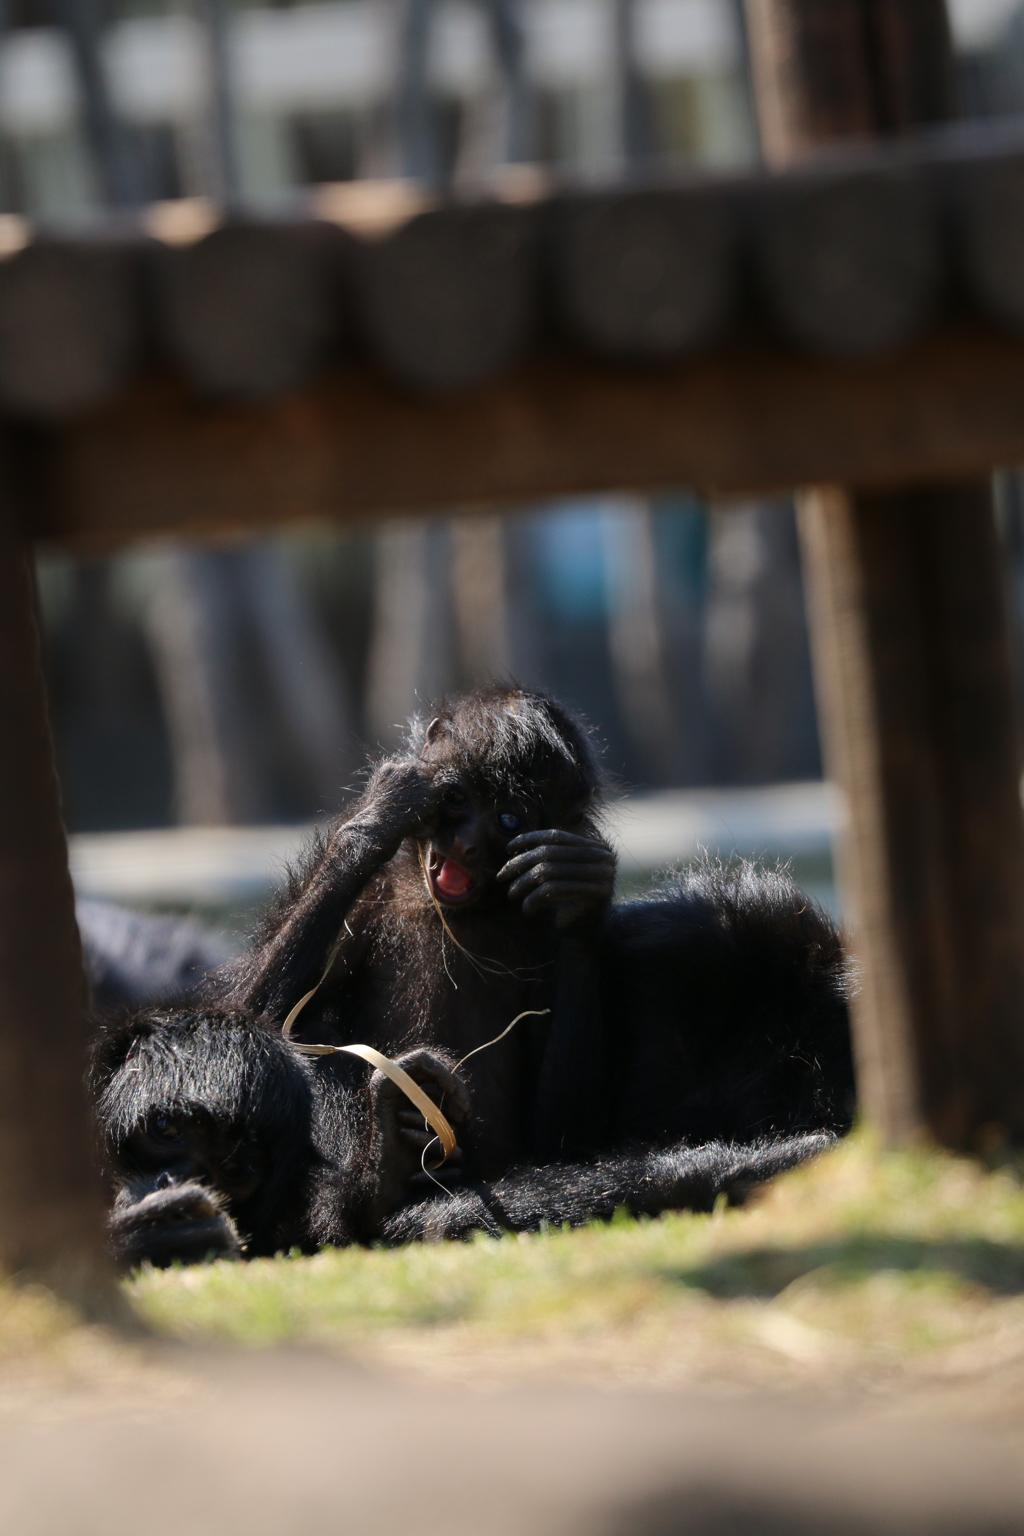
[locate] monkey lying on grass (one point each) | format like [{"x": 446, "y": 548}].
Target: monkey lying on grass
[
  {"x": 220, "y": 1139},
  {"x": 652, "y": 1054}
]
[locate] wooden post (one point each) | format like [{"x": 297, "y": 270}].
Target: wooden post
[
  {"x": 913, "y": 663},
  {"x": 50, "y": 1200}
]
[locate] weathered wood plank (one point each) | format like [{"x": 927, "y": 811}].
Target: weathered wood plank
[
  {"x": 916, "y": 687},
  {"x": 51, "y": 1221},
  {"x": 913, "y": 665},
  {"x": 70, "y": 324},
  {"x": 251, "y": 310},
  {"x": 852, "y": 253},
  {"x": 752, "y": 417},
  {"x": 646, "y": 274},
  {"x": 451, "y": 298},
  {"x": 854, "y": 267},
  {"x": 991, "y": 237}
]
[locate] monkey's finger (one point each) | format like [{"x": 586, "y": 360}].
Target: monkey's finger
[
  {"x": 561, "y": 892},
  {"x": 562, "y": 866},
  {"x": 554, "y": 835},
  {"x": 599, "y": 858},
  {"x": 420, "y": 1132},
  {"x": 436, "y": 1078},
  {"x": 434, "y": 1177},
  {"x": 582, "y": 875},
  {"x": 449, "y": 1091},
  {"x": 558, "y": 860},
  {"x": 411, "y": 1117},
  {"x": 417, "y": 1127},
  {"x": 418, "y": 1140},
  {"x": 394, "y": 1099},
  {"x": 584, "y": 849},
  {"x": 415, "y": 1121},
  {"x": 383, "y": 1088}
]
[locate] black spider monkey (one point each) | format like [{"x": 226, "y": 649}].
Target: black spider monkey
[{"x": 666, "y": 1050}]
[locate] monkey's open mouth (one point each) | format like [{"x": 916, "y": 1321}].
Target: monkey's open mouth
[{"x": 448, "y": 881}]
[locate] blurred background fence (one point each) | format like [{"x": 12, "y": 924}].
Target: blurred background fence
[{"x": 242, "y": 685}]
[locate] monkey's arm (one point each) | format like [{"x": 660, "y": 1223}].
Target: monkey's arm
[
  {"x": 293, "y": 945},
  {"x": 570, "y": 879},
  {"x": 676, "y": 1179}
]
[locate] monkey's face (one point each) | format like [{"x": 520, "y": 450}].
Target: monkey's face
[
  {"x": 189, "y": 1100},
  {"x": 175, "y": 1146},
  {"x": 467, "y": 848}
]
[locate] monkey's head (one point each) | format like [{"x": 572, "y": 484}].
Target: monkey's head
[
  {"x": 505, "y": 761},
  {"x": 196, "y": 1096}
]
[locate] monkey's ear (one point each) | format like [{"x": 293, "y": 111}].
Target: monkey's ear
[{"x": 431, "y": 732}]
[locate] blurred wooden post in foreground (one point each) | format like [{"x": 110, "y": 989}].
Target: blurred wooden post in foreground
[
  {"x": 913, "y": 662},
  {"x": 51, "y": 1212}
]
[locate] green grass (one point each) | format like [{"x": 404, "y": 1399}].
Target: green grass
[
  {"x": 864, "y": 1266},
  {"x": 867, "y": 1260}
]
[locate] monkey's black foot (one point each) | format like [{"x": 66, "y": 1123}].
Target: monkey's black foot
[{"x": 182, "y": 1223}]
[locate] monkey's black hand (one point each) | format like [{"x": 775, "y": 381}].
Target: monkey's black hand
[
  {"x": 562, "y": 873},
  {"x": 401, "y": 1135},
  {"x": 172, "y": 1223},
  {"x": 400, "y": 801}
]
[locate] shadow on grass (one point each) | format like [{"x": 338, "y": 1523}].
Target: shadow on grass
[
  {"x": 724, "y": 1511},
  {"x": 764, "y": 1272}
]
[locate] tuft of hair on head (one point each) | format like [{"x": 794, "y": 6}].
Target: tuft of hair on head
[
  {"x": 234, "y": 1068},
  {"x": 520, "y": 742}
]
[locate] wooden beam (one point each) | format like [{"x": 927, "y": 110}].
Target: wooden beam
[
  {"x": 637, "y": 273},
  {"x": 251, "y": 310},
  {"x": 753, "y": 417},
  {"x": 51, "y": 1211},
  {"x": 916, "y": 690},
  {"x": 915, "y": 681}
]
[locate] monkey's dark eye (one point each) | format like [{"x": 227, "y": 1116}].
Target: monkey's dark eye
[
  {"x": 454, "y": 796},
  {"x": 161, "y": 1140},
  {"x": 509, "y": 822}
]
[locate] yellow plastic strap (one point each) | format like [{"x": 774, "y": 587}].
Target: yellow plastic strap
[
  {"x": 286, "y": 1027},
  {"x": 412, "y": 1090},
  {"x": 332, "y": 954}
]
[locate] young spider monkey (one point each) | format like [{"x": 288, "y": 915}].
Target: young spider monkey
[
  {"x": 467, "y": 886},
  {"x": 470, "y": 885}
]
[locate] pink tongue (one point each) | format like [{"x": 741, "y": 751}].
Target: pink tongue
[{"x": 452, "y": 879}]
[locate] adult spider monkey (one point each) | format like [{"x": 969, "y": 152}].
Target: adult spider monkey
[{"x": 469, "y": 887}]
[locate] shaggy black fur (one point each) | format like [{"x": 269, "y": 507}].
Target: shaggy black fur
[
  {"x": 213, "y": 1136},
  {"x": 468, "y": 884},
  {"x": 219, "y": 1137},
  {"x": 726, "y": 1011},
  {"x": 674, "y": 1179}
]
